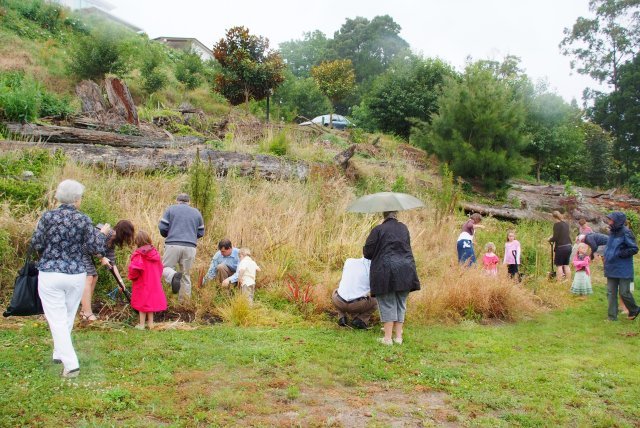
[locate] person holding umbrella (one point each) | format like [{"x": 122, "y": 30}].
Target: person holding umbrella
[{"x": 393, "y": 272}]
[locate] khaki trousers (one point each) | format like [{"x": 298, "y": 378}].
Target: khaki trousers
[
  {"x": 223, "y": 272},
  {"x": 361, "y": 309},
  {"x": 177, "y": 258}
]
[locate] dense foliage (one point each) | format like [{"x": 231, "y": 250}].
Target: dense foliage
[
  {"x": 22, "y": 99},
  {"x": 103, "y": 51},
  {"x": 618, "y": 112},
  {"x": 249, "y": 69},
  {"x": 189, "y": 70},
  {"x": 479, "y": 128},
  {"x": 336, "y": 79},
  {"x": 408, "y": 90}
]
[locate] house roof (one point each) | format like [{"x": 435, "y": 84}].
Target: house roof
[
  {"x": 184, "y": 40},
  {"x": 106, "y": 15}
]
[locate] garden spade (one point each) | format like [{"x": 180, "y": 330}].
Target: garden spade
[
  {"x": 121, "y": 286},
  {"x": 552, "y": 273}
]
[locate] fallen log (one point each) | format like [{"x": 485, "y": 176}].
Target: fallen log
[
  {"x": 148, "y": 159},
  {"x": 512, "y": 214},
  {"x": 66, "y": 135}
]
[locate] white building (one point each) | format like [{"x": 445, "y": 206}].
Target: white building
[
  {"x": 188, "y": 44},
  {"x": 99, "y": 9}
]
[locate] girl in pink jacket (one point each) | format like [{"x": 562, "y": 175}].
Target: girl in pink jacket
[
  {"x": 582, "y": 280},
  {"x": 512, "y": 253},
  {"x": 145, "y": 272}
]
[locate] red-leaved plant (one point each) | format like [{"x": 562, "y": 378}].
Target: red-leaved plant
[{"x": 299, "y": 292}]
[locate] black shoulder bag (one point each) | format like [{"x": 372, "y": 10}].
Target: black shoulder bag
[{"x": 25, "y": 300}]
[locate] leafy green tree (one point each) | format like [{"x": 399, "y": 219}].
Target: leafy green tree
[
  {"x": 300, "y": 97},
  {"x": 407, "y": 90},
  {"x": 600, "y": 45},
  {"x": 372, "y": 46},
  {"x": 103, "y": 51},
  {"x": 619, "y": 113},
  {"x": 189, "y": 70},
  {"x": 547, "y": 116},
  {"x": 479, "y": 128},
  {"x": 336, "y": 79},
  {"x": 599, "y": 148},
  {"x": 301, "y": 55},
  {"x": 249, "y": 69}
]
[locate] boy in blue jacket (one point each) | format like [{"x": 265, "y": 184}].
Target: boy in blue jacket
[{"x": 618, "y": 265}]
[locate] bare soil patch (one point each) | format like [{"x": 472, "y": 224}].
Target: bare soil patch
[{"x": 254, "y": 400}]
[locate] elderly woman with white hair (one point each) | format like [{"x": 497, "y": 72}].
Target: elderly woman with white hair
[{"x": 60, "y": 238}]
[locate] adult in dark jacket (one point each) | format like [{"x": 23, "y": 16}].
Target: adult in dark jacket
[
  {"x": 562, "y": 247},
  {"x": 393, "y": 273},
  {"x": 618, "y": 265}
]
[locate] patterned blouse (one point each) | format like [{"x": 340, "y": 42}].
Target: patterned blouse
[{"x": 60, "y": 237}]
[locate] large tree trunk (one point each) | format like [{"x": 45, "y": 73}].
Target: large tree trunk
[
  {"x": 91, "y": 98},
  {"x": 63, "y": 134},
  {"x": 121, "y": 100},
  {"x": 147, "y": 159}
]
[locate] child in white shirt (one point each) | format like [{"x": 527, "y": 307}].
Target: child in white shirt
[{"x": 247, "y": 269}]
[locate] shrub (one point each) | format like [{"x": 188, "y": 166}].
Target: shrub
[
  {"x": 23, "y": 99},
  {"x": 202, "y": 186},
  {"x": 153, "y": 79},
  {"x": 97, "y": 54},
  {"x": 446, "y": 198},
  {"x": 20, "y": 97},
  {"x": 634, "y": 222},
  {"x": 279, "y": 145},
  {"x": 189, "y": 69},
  {"x": 28, "y": 193},
  {"x": 54, "y": 105}
]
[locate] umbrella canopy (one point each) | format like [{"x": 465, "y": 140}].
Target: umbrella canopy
[{"x": 384, "y": 201}]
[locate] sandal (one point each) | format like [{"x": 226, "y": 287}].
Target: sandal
[{"x": 88, "y": 318}]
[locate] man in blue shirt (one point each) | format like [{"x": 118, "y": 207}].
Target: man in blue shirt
[{"x": 224, "y": 264}]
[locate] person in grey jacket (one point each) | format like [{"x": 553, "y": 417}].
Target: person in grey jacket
[{"x": 181, "y": 225}]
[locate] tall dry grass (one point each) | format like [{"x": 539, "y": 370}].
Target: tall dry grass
[{"x": 302, "y": 229}]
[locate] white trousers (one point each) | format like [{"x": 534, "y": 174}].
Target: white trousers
[{"x": 60, "y": 294}]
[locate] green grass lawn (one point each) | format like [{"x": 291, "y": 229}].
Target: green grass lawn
[{"x": 563, "y": 368}]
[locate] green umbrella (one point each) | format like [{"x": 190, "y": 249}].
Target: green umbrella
[{"x": 384, "y": 201}]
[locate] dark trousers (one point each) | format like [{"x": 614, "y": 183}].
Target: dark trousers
[
  {"x": 361, "y": 309},
  {"x": 513, "y": 272},
  {"x": 622, "y": 285}
]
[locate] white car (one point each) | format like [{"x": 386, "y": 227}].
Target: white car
[{"x": 339, "y": 122}]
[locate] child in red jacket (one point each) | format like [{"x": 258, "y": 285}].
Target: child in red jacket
[{"x": 145, "y": 272}]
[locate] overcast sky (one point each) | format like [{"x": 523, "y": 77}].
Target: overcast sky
[{"x": 449, "y": 29}]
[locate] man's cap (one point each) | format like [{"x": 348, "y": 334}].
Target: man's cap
[{"x": 183, "y": 197}]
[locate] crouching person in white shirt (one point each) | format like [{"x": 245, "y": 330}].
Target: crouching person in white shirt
[
  {"x": 247, "y": 270},
  {"x": 352, "y": 298}
]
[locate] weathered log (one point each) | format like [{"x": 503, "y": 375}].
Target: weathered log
[
  {"x": 66, "y": 135},
  {"x": 342, "y": 158},
  {"x": 505, "y": 213},
  {"x": 121, "y": 100},
  {"x": 147, "y": 159},
  {"x": 91, "y": 97}
]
